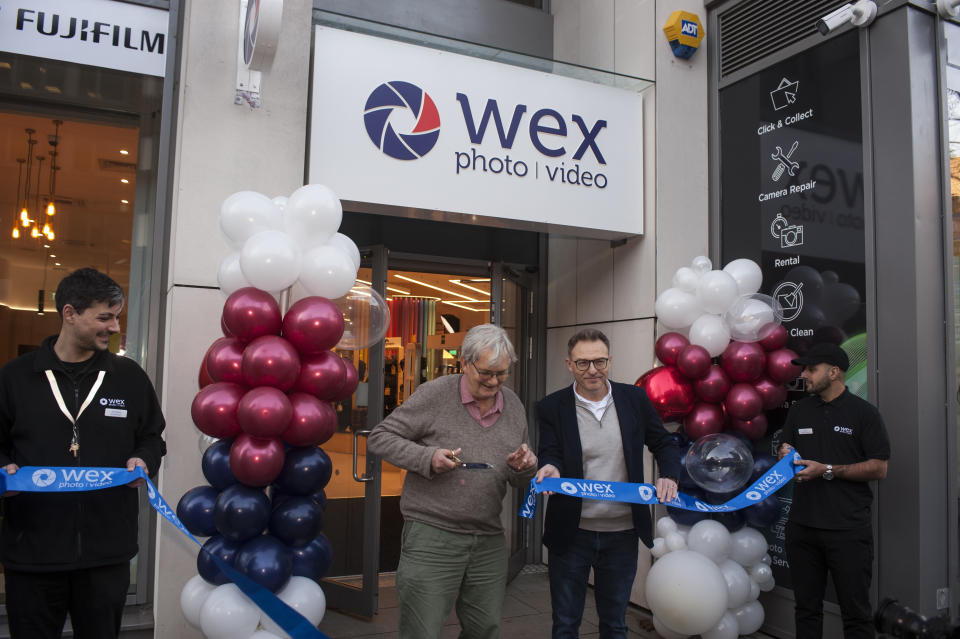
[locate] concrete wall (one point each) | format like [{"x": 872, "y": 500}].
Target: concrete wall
[{"x": 221, "y": 148}]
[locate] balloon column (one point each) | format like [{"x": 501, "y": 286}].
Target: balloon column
[{"x": 265, "y": 407}]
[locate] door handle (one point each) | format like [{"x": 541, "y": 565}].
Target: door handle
[{"x": 357, "y": 477}]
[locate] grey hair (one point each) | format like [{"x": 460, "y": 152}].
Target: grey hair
[{"x": 487, "y": 337}]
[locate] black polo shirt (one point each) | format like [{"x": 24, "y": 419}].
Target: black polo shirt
[{"x": 847, "y": 430}]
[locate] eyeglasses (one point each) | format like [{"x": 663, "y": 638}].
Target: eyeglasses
[
  {"x": 600, "y": 363},
  {"x": 490, "y": 374}
]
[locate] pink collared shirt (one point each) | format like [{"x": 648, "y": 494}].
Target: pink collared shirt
[{"x": 484, "y": 419}]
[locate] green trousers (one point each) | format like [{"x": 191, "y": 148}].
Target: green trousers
[{"x": 439, "y": 568}]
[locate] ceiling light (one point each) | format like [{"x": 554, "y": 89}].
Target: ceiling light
[
  {"x": 472, "y": 288},
  {"x": 124, "y": 152},
  {"x": 57, "y": 263},
  {"x": 47, "y": 246},
  {"x": 466, "y": 308},
  {"x": 124, "y": 201},
  {"x": 26, "y": 85},
  {"x": 51, "y": 255},
  {"x": 52, "y": 89},
  {"x": 410, "y": 279},
  {"x": 398, "y": 290},
  {"x": 125, "y": 180}
]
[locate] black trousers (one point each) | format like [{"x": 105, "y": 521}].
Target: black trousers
[
  {"x": 848, "y": 556},
  {"x": 38, "y": 602}
]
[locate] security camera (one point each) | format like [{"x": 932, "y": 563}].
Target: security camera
[{"x": 860, "y": 14}]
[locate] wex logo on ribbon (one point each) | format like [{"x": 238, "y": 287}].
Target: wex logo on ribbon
[{"x": 85, "y": 478}]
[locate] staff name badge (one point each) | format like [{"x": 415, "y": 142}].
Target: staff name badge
[
  {"x": 115, "y": 412},
  {"x": 805, "y": 431}
]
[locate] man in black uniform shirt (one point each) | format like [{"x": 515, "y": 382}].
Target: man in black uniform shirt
[
  {"x": 843, "y": 445},
  {"x": 74, "y": 403}
]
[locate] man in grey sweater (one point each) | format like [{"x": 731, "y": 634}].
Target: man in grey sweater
[{"x": 463, "y": 438}]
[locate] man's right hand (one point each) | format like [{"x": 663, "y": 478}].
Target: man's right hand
[
  {"x": 784, "y": 450},
  {"x": 548, "y": 470},
  {"x": 443, "y": 460},
  {"x": 11, "y": 469}
]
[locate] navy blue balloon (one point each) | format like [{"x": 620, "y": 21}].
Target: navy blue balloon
[
  {"x": 762, "y": 462},
  {"x": 763, "y": 514},
  {"x": 320, "y": 497},
  {"x": 241, "y": 512},
  {"x": 733, "y": 520},
  {"x": 306, "y": 470},
  {"x": 296, "y": 521},
  {"x": 195, "y": 510},
  {"x": 267, "y": 561},
  {"x": 224, "y": 549},
  {"x": 313, "y": 560},
  {"x": 216, "y": 464}
]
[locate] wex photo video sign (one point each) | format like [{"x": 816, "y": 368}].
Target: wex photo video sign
[{"x": 412, "y": 127}]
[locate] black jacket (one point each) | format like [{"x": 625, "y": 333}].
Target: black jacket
[
  {"x": 560, "y": 445},
  {"x": 62, "y": 531}
]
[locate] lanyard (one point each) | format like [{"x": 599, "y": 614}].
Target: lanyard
[{"x": 59, "y": 396}]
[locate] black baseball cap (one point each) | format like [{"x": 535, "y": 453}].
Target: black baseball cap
[{"x": 824, "y": 353}]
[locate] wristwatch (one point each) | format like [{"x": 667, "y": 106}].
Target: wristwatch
[{"x": 828, "y": 473}]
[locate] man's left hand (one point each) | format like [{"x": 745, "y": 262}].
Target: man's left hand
[
  {"x": 132, "y": 463},
  {"x": 666, "y": 490},
  {"x": 522, "y": 459},
  {"x": 812, "y": 470}
]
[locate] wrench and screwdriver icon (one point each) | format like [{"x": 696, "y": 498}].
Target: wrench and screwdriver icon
[{"x": 784, "y": 163}]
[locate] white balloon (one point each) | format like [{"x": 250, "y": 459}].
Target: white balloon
[
  {"x": 303, "y": 595},
  {"x": 675, "y": 541},
  {"x": 665, "y": 526},
  {"x": 676, "y": 308},
  {"x": 227, "y": 613},
  {"x": 679, "y": 579},
  {"x": 749, "y": 617},
  {"x": 280, "y": 202},
  {"x": 747, "y": 546},
  {"x": 231, "y": 277},
  {"x": 726, "y": 628},
  {"x": 747, "y": 274},
  {"x": 710, "y": 332},
  {"x": 766, "y": 585},
  {"x": 767, "y": 559},
  {"x": 327, "y": 271},
  {"x": 194, "y": 593},
  {"x": 312, "y": 215},
  {"x": 701, "y": 264},
  {"x": 754, "y": 591},
  {"x": 716, "y": 291},
  {"x": 760, "y": 572},
  {"x": 263, "y": 634},
  {"x": 246, "y": 213},
  {"x": 686, "y": 279},
  {"x": 666, "y": 632},
  {"x": 711, "y": 539},
  {"x": 659, "y": 547},
  {"x": 270, "y": 261},
  {"x": 738, "y": 583},
  {"x": 348, "y": 246}
]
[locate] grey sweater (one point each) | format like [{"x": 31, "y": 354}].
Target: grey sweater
[{"x": 461, "y": 500}]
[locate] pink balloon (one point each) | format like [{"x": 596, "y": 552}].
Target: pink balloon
[
  {"x": 270, "y": 361},
  {"x": 223, "y": 360},
  {"x": 668, "y": 347},
  {"x": 714, "y": 386},
  {"x": 250, "y": 313},
  {"x": 669, "y": 391},
  {"x": 321, "y": 375},
  {"x": 772, "y": 393},
  {"x": 743, "y": 402},
  {"x": 780, "y": 368},
  {"x": 350, "y": 382},
  {"x": 264, "y": 412},
  {"x": 254, "y": 461},
  {"x": 313, "y": 421},
  {"x": 203, "y": 378},
  {"x": 313, "y": 324},
  {"x": 743, "y": 361},
  {"x": 223, "y": 328},
  {"x": 703, "y": 419},
  {"x": 214, "y": 409},
  {"x": 776, "y": 339},
  {"x": 753, "y": 429},
  {"x": 694, "y": 361}
]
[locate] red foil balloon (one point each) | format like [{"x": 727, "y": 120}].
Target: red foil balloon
[
  {"x": 313, "y": 421},
  {"x": 714, "y": 386},
  {"x": 250, "y": 313},
  {"x": 214, "y": 409},
  {"x": 772, "y": 393},
  {"x": 223, "y": 360},
  {"x": 270, "y": 361},
  {"x": 321, "y": 375},
  {"x": 350, "y": 383},
  {"x": 743, "y": 402},
  {"x": 694, "y": 361},
  {"x": 780, "y": 368},
  {"x": 703, "y": 419},
  {"x": 254, "y": 461},
  {"x": 743, "y": 361},
  {"x": 669, "y": 391},
  {"x": 776, "y": 339},
  {"x": 313, "y": 325},
  {"x": 264, "y": 412},
  {"x": 668, "y": 347},
  {"x": 753, "y": 429}
]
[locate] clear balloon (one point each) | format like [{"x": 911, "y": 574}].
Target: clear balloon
[
  {"x": 700, "y": 582},
  {"x": 716, "y": 292},
  {"x": 230, "y": 277},
  {"x": 246, "y": 213},
  {"x": 751, "y": 318},
  {"x": 366, "y": 318},
  {"x": 676, "y": 308},
  {"x": 348, "y": 246},
  {"x": 710, "y": 539},
  {"x": 228, "y": 613},
  {"x": 719, "y": 463},
  {"x": 686, "y": 279},
  {"x": 303, "y": 595},
  {"x": 710, "y": 332},
  {"x": 270, "y": 260},
  {"x": 747, "y": 274},
  {"x": 312, "y": 215},
  {"x": 701, "y": 265},
  {"x": 327, "y": 271},
  {"x": 194, "y": 593}
]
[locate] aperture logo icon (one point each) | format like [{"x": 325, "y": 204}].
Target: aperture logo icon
[
  {"x": 43, "y": 477},
  {"x": 402, "y": 120}
]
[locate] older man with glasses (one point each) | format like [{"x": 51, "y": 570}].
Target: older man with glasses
[
  {"x": 463, "y": 438},
  {"x": 596, "y": 429}
]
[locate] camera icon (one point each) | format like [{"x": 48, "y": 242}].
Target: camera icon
[{"x": 791, "y": 236}]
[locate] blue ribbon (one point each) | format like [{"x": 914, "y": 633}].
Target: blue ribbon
[
  {"x": 54, "y": 479},
  {"x": 773, "y": 480}
]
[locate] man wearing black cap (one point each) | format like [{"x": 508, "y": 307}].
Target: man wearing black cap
[{"x": 843, "y": 445}]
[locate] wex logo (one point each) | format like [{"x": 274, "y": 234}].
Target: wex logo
[
  {"x": 766, "y": 485},
  {"x": 530, "y": 505},
  {"x": 43, "y": 477},
  {"x": 79, "y": 478},
  {"x": 401, "y": 120},
  {"x": 710, "y": 508},
  {"x": 595, "y": 489},
  {"x": 845, "y": 430},
  {"x": 114, "y": 402},
  {"x": 646, "y": 492},
  {"x": 568, "y": 488},
  {"x": 688, "y": 28}
]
